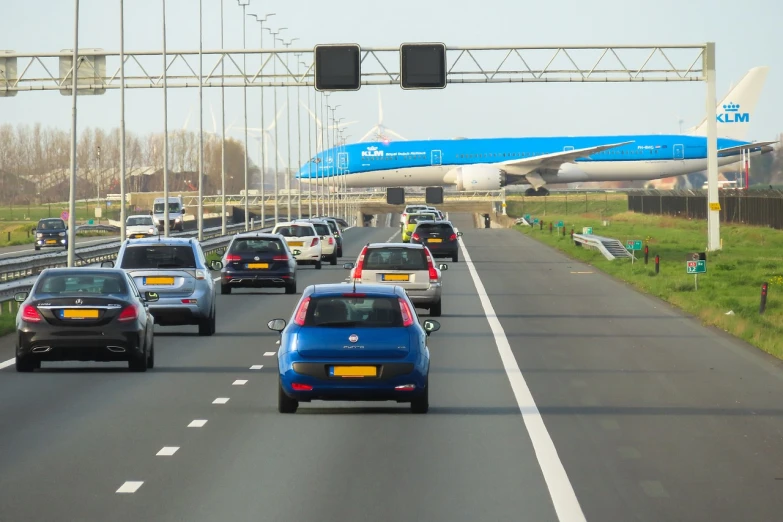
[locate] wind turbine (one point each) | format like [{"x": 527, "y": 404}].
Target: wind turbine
[
  {"x": 379, "y": 132},
  {"x": 266, "y": 136},
  {"x": 319, "y": 124}
]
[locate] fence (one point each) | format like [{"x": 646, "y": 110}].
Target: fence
[
  {"x": 601, "y": 203},
  {"x": 756, "y": 207}
]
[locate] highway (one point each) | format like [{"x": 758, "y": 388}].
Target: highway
[
  {"x": 16, "y": 250},
  {"x": 557, "y": 394}
]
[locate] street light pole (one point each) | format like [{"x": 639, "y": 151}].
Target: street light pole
[
  {"x": 165, "y": 130},
  {"x": 244, "y": 105},
  {"x": 123, "y": 210},
  {"x": 324, "y": 147},
  {"x": 222, "y": 130},
  {"x": 299, "y": 145},
  {"x": 262, "y": 162},
  {"x": 72, "y": 196},
  {"x": 288, "y": 131},
  {"x": 200, "y": 123},
  {"x": 98, "y": 182},
  {"x": 274, "y": 91}
]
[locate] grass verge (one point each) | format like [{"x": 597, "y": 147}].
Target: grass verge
[
  {"x": 8, "y": 319},
  {"x": 732, "y": 284}
]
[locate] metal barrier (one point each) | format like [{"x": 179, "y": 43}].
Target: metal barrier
[{"x": 610, "y": 248}]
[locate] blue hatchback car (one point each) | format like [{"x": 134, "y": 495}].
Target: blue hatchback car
[{"x": 353, "y": 343}]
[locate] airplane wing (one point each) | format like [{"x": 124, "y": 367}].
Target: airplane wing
[
  {"x": 524, "y": 166},
  {"x": 749, "y": 146}
]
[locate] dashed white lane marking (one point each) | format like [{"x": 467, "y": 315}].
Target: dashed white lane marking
[
  {"x": 220, "y": 400},
  {"x": 130, "y": 486},
  {"x": 239, "y": 382},
  {"x": 198, "y": 423},
  {"x": 392, "y": 237},
  {"x": 6, "y": 364},
  {"x": 256, "y": 366},
  {"x": 269, "y": 354},
  {"x": 560, "y": 488},
  {"x": 167, "y": 451}
]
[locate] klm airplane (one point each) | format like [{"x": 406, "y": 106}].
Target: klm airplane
[{"x": 493, "y": 163}]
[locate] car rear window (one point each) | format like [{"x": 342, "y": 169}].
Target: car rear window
[
  {"x": 323, "y": 230},
  {"x": 420, "y": 217},
  {"x": 441, "y": 228},
  {"x": 295, "y": 231},
  {"x": 257, "y": 245},
  {"x": 334, "y": 228},
  {"x": 379, "y": 312},
  {"x": 158, "y": 256},
  {"x": 82, "y": 284},
  {"x": 395, "y": 258}
]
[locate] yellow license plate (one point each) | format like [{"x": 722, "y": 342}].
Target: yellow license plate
[
  {"x": 258, "y": 265},
  {"x": 296, "y": 243},
  {"x": 80, "y": 314},
  {"x": 435, "y": 240},
  {"x": 137, "y": 236},
  {"x": 355, "y": 371},
  {"x": 159, "y": 281},
  {"x": 51, "y": 242},
  {"x": 396, "y": 277}
]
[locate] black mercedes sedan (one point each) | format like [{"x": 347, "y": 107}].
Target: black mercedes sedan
[
  {"x": 84, "y": 314},
  {"x": 258, "y": 260}
]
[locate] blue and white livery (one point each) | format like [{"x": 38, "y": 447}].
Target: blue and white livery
[{"x": 493, "y": 163}]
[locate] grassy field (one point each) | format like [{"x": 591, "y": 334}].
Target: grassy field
[
  {"x": 8, "y": 319},
  {"x": 605, "y": 204},
  {"x": 750, "y": 257}
]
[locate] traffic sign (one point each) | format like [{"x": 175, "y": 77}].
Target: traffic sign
[
  {"x": 560, "y": 224},
  {"x": 423, "y": 66},
  {"x": 98, "y": 212},
  {"x": 696, "y": 267},
  {"x": 587, "y": 230},
  {"x": 715, "y": 206},
  {"x": 633, "y": 245},
  {"x": 91, "y": 222},
  {"x": 535, "y": 220},
  {"x": 64, "y": 215},
  {"x": 338, "y": 67}
]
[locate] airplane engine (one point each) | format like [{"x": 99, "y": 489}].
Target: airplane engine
[{"x": 480, "y": 177}]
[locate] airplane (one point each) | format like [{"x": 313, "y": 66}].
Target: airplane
[{"x": 476, "y": 164}]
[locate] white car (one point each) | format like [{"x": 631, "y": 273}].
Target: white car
[
  {"x": 328, "y": 241},
  {"x": 302, "y": 236},
  {"x": 140, "y": 226}
]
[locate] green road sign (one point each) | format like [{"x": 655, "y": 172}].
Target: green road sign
[
  {"x": 527, "y": 218},
  {"x": 535, "y": 220},
  {"x": 560, "y": 224},
  {"x": 633, "y": 245},
  {"x": 91, "y": 222},
  {"x": 696, "y": 267},
  {"x": 587, "y": 230}
]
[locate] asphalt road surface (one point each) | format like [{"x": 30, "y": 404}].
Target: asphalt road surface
[
  {"x": 557, "y": 394},
  {"x": 16, "y": 250}
]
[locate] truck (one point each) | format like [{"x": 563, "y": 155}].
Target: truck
[{"x": 176, "y": 213}]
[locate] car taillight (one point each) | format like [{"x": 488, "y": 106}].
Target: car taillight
[
  {"x": 407, "y": 316},
  {"x": 298, "y": 386},
  {"x": 130, "y": 313},
  {"x": 301, "y": 312},
  {"x": 280, "y": 258},
  {"x": 431, "y": 266},
  {"x": 453, "y": 237},
  {"x": 357, "y": 272},
  {"x": 315, "y": 242},
  {"x": 331, "y": 241},
  {"x": 233, "y": 257},
  {"x": 30, "y": 314},
  {"x": 416, "y": 237}
]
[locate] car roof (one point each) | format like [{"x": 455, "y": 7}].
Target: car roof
[
  {"x": 82, "y": 270},
  {"x": 292, "y": 223},
  {"x": 139, "y": 215},
  {"x": 256, "y": 235},
  {"x": 344, "y": 288},
  {"x": 436, "y": 222},
  {"x": 51, "y": 219},
  {"x": 414, "y": 246},
  {"x": 162, "y": 240}
]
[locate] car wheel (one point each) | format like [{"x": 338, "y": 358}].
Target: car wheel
[
  {"x": 138, "y": 363},
  {"x": 26, "y": 364},
  {"x": 290, "y": 288},
  {"x": 340, "y": 252},
  {"x": 435, "y": 309},
  {"x": 207, "y": 327},
  {"x": 318, "y": 265},
  {"x": 455, "y": 258},
  {"x": 421, "y": 404},
  {"x": 151, "y": 355},
  {"x": 333, "y": 260},
  {"x": 225, "y": 289},
  {"x": 37, "y": 247},
  {"x": 285, "y": 404}
]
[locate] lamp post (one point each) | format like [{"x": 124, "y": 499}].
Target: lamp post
[
  {"x": 222, "y": 131},
  {"x": 262, "y": 162},
  {"x": 72, "y": 196},
  {"x": 165, "y": 131},
  {"x": 299, "y": 142},
  {"x": 324, "y": 146},
  {"x": 287, "y": 45},
  {"x": 274, "y": 91},
  {"x": 333, "y": 151},
  {"x": 244, "y": 5},
  {"x": 123, "y": 210},
  {"x": 200, "y": 125},
  {"x": 98, "y": 181},
  {"x": 309, "y": 158},
  {"x": 337, "y": 171}
]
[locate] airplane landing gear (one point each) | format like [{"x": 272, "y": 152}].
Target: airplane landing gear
[{"x": 537, "y": 192}]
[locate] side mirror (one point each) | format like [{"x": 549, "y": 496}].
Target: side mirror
[
  {"x": 19, "y": 297},
  {"x": 296, "y": 252},
  {"x": 443, "y": 266},
  {"x": 276, "y": 325},
  {"x": 348, "y": 266},
  {"x": 431, "y": 326},
  {"x": 459, "y": 234},
  {"x": 216, "y": 265},
  {"x": 107, "y": 264},
  {"x": 150, "y": 297}
]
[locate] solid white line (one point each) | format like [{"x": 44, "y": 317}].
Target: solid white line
[
  {"x": 239, "y": 382},
  {"x": 167, "y": 451},
  {"x": 6, "y": 364},
  {"x": 220, "y": 400},
  {"x": 256, "y": 366},
  {"x": 198, "y": 423},
  {"x": 269, "y": 354},
  {"x": 560, "y": 488},
  {"x": 130, "y": 487}
]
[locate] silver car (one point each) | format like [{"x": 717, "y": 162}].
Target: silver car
[
  {"x": 409, "y": 266},
  {"x": 175, "y": 269}
]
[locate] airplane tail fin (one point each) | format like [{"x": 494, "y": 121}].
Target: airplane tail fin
[{"x": 736, "y": 109}]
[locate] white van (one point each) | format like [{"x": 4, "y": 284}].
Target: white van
[{"x": 176, "y": 213}]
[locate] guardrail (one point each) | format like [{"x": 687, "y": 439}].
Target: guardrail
[{"x": 18, "y": 274}]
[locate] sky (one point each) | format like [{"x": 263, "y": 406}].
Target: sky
[{"x": 746, "y": 35}]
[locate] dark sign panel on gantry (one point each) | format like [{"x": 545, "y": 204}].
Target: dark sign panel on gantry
[{"x": 338, "y": 67}]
